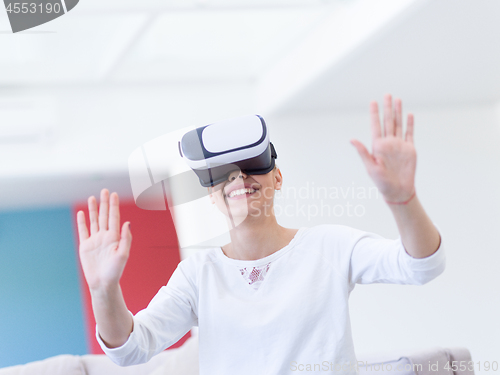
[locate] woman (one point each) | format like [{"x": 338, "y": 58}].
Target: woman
[{"x": 274, "y": 300}]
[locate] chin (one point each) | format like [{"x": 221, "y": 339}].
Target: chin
[{"x": 242, "y": 208}]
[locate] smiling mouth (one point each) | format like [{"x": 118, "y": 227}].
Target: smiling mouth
[{"x": 241, "y": 193}]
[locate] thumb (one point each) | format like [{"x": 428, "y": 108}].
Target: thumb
[
  {"x": 125, "y": 240},
  {"x": 363, "y": 152}
]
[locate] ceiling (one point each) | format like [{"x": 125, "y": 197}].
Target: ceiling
[
  {"x": 301, "y": 54},
  {"x": 155, "y": 41},
  {"x": 129, "y": 70},
  {"x": 431, "y": 53}
]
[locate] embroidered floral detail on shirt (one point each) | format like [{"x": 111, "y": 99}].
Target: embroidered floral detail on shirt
[{"x": 255, "y": 275}]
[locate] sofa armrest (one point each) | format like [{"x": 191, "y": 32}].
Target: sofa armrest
[
  {"x": 430, "y": 361},
  {"x": 460, "y": 354},
  {"x": 62, "y": 364}
]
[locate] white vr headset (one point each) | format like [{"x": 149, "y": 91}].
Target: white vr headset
[
  {"x": 214, "y": 151},
  {"x": 160, "y": 177}
]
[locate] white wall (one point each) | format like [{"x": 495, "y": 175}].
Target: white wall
[
  {"x": 457, "y": 181},
  {"x": 95, "y": 129}
]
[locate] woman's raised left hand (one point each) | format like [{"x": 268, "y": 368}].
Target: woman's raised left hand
[{"x": 392, "y": 163}]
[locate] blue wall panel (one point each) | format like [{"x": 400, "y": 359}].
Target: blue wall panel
[{"x": 41, "y": 312}]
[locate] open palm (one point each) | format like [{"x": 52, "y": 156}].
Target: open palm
[
  {"x": 392, "y": 163},
  {"x": 104, "y": 253}
]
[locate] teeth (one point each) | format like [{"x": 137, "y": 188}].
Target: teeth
[{"x": 240, "y": 192}]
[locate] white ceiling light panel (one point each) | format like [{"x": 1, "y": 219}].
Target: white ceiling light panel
[
  {"x": 215, "y": 45},
  {"x": 67, "y": 50}
]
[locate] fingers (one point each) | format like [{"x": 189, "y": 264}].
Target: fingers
[
  {"x": 114, "y": 213},
  {"x": 94, "y": 225},
  {"x": 125, "y": 240},
  {"x": 99, "y": 220},
  {"x": 409, "y": 128},
  {"x": 375, "y": 120},
  {"x": 104, "y": 210},
  {"x": 363, "y": 152},
  {"x": 388, "y": 116},
  {"x": 398, "y": 117},
  {"x": 83, "y": 233}
]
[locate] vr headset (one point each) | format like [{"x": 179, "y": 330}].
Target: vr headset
[{"x": 214, "y": 151}]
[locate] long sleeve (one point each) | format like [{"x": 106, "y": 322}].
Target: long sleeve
[
  {"x": 168, "y": 317},
  {"x": 374, "y": 259}
]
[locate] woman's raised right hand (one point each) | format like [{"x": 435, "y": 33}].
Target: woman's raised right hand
[{"x": 104, "y": 253}]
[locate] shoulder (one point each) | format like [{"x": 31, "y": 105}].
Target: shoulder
[
  {"x": 199, "y": 259},
  {"x": 333, "y": 232},
  {"x": 334, "y": 242},
  {"x": 330, "y": 239},
  {"x": 188, "y": 270}
]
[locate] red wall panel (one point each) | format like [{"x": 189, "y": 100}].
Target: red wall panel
[{"x": 153, "y": 257}]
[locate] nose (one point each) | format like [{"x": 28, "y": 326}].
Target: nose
[{"x": 241, "y": 174}]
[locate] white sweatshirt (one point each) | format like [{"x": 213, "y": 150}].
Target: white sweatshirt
[{"x": 296, "y": 321}]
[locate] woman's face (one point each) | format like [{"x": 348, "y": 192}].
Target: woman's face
[{"x": 245, "y": 195}]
